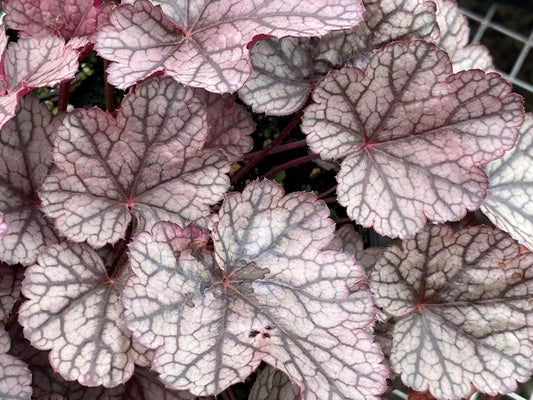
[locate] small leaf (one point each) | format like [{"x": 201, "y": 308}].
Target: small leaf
[
  {"x": 73, "y": 308},
  {"x": 285, "y": 70},
  {"x": 10, "y": 279},
  {"x": 67, "y": 19},
  {"x": 230, "y": 124},
  {"x": 25, "y": 145},
  {"x": 270, "y": 293},
  {"x": 454, "y": 32},
  {"x": 508, "y": 203},
  {"x": 413, "y": 136},
  {"x": 461, "y": 319},
  {"x": 273, "y": 384},
  {"x": 150, "y": 164},
  {"x": 204, "y": 43},
  {"x": 348, "y": 240}
]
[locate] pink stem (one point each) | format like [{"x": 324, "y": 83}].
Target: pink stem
[
  {"x": 327, "y": 192},
  {"x": 282, "y": 147},
  {"x": 64, "y": 92},
  {"x": 290, "y": 164},
  {"x": 108, "y": 91},
  {"x": 331, "y": 199},
  {"x": 342, "y": 220},
  {"x": 260, "y": 154}
]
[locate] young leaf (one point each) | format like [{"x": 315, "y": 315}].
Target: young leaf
[
  {"x": 25, "y": 145},
  {"x": 285, "y": 70},
  {"x": 454, "y": 33},
  {"x": 73, "y": 308},
  {"x": 203, "y": 43},
  {"x": 10, "y": 279},
  {"x": 269, "y": 293},
  {"x": 272, "y": 384},
  {"x": 31, "y": 63},
  {"x": 462, "y": 304},
  {"x": 230, "y": 124},
  {"x": 508, "y": 203},
  {"x": 69, "y": 19},
  {"x": 15, "y": 377},
  {"x": 413, "y": 136},
  {"x": 149, "y": 163}
]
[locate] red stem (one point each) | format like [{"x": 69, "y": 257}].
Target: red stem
[
  {"x": 331, "y": 199},
  {"x": 327, "y": 192},
  {"x": 282, "y": 147},
  {"x": 290, "y": 164},
  {"x": 260, "y": 154},
  {"x": 108, "y": 91},
  {"x": 64, "y": 92},
  {"x": 342, "y": 220}
]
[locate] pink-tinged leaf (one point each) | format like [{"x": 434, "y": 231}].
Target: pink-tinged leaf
[
  {"x": 69, "y": 19},
  {"x": 203, "y": 43},
  {"x": 462, "y": 304},
  {"x": 4, "y": 228},
  {"x": 25, "y": 146},
  {"x": 509, "y": 200},
  {"x": 73, "y": 308},
  {"x": 272, "y": 384},
  {"x": 10, "y": 279},
  {"x": 413, "y": 136},
  {"x": 15, "y": 377},
  {"x": 454, "y": 33},
  {"x": 150, "y": 164},
  {"x": 230, "y": 124},
  {"x": 349, "y": 241},
  {"x": 269, "y": 293},
  {"x": 285, "y": 71}
]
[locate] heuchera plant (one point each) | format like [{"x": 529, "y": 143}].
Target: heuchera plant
[{"x": 144, "y": 254}]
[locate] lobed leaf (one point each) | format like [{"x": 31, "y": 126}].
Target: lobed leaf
[
  {"x": 462, "y": 304},
  {"x": 15, "y": 377},
  {"x": 25, "y": 146},
  {"x": 150, "y": 164},
  {"x": 454, "y": 32},
  {"x": 286, "y": 70},
  {"x": 212, "y": 320},
  {"x": 508, "y": 203},
  {"x": 203, "y": 43},
  {"x": 230, "y": 125},
  {"x": 413, "y": 136},
  {"x": 73, "y": 308},
  {"x": 272, "y": 384},
  {"x": 69, "y": 19}
]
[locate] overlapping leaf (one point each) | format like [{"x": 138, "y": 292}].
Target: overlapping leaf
[
  {"x": 273, "y": 384},
  {"x": 413, "y": 136},
  {"x": 3, "y": 227},
  {"x": 348, "y": 240},
  {"x": 230, "y": 124},
  {"x": 10, "y": 279},
  {"x": 148, "y": 161},
  {"x": 462, "y": 303},
  {"x": 285, "y": 70},
  {"x": 509, "y": 202},
  {"x": 25, "y": 146},
  {"x": 73, "y": 308},
  {"x": 269, "y": 293},
  {"x": 454, "y": 33},
  {"x": 202, "y": 43},
  {"x": 31, "y": 63},
  {"x": 75, "y": 20},
  {"x": 15, "y": 377}
]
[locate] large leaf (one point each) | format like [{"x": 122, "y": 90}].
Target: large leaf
[
  {"x": 509, "y": 202},
  {"x": 413, "y": 136},
  {"x": 285, "y": 70},
  {"x": 15, "y": 377},
  {"x": 454, "y": 32},
  {"x": 462, "y": 302},
  {"x": 73, "y": 308},
  {"x": 269, "y": 293},
  {"x": 69, "y": 19},
  {"x": 230, "y": 124},
  {"x": 148, "y": 161},
  {"x": 31, "y": 63},
  {"x": 25, "y": 146},
  {"x": 202, "y": 43}
]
